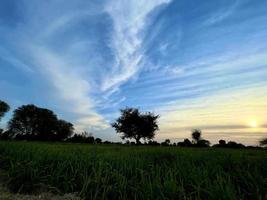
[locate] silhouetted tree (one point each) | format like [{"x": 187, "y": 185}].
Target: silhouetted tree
[
  {"x": 64, "y": 129},
  {"x": 84, "y": 137},
  {"x": 153, "y": 143},
  {"x": 4, "y": 107},
  {"x": 196, "y": 135},
  {"x": 33, "y": 123},
  {"x": 4, "y": 135},
  {"x": 222, "y": 142},
  {"x": 185, "y": 143},
  {"x": 166, "y": 142},
  {"x": 232, "y": 144},
  {"x": 203, "y": 143},
  {"x": 98, "y": 141},
  {"x": 263, "y": 142},
  {"x": 135, "y": 125}
]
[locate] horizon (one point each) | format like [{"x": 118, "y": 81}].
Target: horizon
[{"x": 196, "y": 65}]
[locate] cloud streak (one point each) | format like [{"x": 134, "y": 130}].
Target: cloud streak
[{"x": 129, "y": 20}]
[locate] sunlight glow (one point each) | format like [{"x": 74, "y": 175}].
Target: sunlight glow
[{"x": 253, "y": 123}]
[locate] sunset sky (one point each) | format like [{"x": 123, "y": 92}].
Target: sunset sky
[{"x": 198, "y": 64}]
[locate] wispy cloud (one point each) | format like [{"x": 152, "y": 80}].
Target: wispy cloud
[
  {"x": 15, "y": 62},
  {"x": 68, "y": 70},
  {"x": 221, "y": 13},
  {"x": 129, "y": 19},
  {"x": 72, "y": 89}
]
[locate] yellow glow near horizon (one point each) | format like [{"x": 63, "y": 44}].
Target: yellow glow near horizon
[
  {"x": 253, "y": 123},
  {"x": 238, "y": 118}
]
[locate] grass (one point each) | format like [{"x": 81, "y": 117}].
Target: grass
[{"x": 128, "y": 172}]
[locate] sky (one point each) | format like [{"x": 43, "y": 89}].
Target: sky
[{"x": 198, "y": 64}]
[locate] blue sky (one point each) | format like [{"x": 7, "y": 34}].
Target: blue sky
[{"x": 196, "y": 63}]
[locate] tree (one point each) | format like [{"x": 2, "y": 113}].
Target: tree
[
  {"x": 203, "y": 143},
  {"x": 4, "y": 135},
  {"x": 167, "y": 142},
  {"x": 98, "y": 141},
  {"x": 84, "y": 137},
  {"x": 37, "y": 123},
  {"x": 4, "y": 107},
  {"x": 154, "y": 143},
  {"x": 233, "y": 144},
  {"x": 33, "y": 123},
  {"x": 263, "y": 142},
  {"x": 185, "y": 143},
  {"x": 196, "y": 135},
  {"x": 222, "y": 142},
  {"x": 135, "y": 125},
  {"x": 64, "y": 129}
]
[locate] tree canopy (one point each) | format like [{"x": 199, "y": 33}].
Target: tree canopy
[
  {"x": 133, "y": 124},
  {"x": 196, "y": 134},
  {"x": 4, "y": 107},
  {"x": 263, "y": 142},
  {"x": 34, "y": 123}
]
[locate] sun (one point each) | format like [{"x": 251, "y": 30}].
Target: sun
[{"x": 253, "y": 123}]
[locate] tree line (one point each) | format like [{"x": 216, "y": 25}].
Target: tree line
[{"x": 32, "y": 123}]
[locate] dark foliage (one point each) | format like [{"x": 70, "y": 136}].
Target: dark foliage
[
  {"x": 4, "y": 107},
  {"x": 153, "y": 143},
  {"x": 196, "y": 135},
  {"x": 64, "y": 129},
  {"x": 4, "y": 135},
  {"x": 185, "y": 143},
  {"x": 263, "y": 142},
  {"x": 222, "y": 142},
  {"x": 230, "y": 144},
  {"x": 82, "y": 138},
  {"x": 166, "y": 142},
  {"x": 30, "y": 122},
  {"x": 202, "y": 143},
  {"x": 135, "y": 125},
  {"x": 98, "y": 141}
]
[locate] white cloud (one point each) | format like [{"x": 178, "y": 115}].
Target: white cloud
[
  {"x": 129, "y": 19},
  {"x": 72, "y": 89},
  {"x": 70, "y": 69}
]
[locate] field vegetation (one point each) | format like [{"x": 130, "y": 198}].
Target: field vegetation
[{"x": 134, "y": 172}]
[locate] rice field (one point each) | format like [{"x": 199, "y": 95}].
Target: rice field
[{"x": 133, "y": 172}]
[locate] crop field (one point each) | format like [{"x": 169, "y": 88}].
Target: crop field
[{"x": 134, "y": 172}]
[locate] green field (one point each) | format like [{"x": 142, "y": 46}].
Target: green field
[{"x": 130, "y": 172}]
